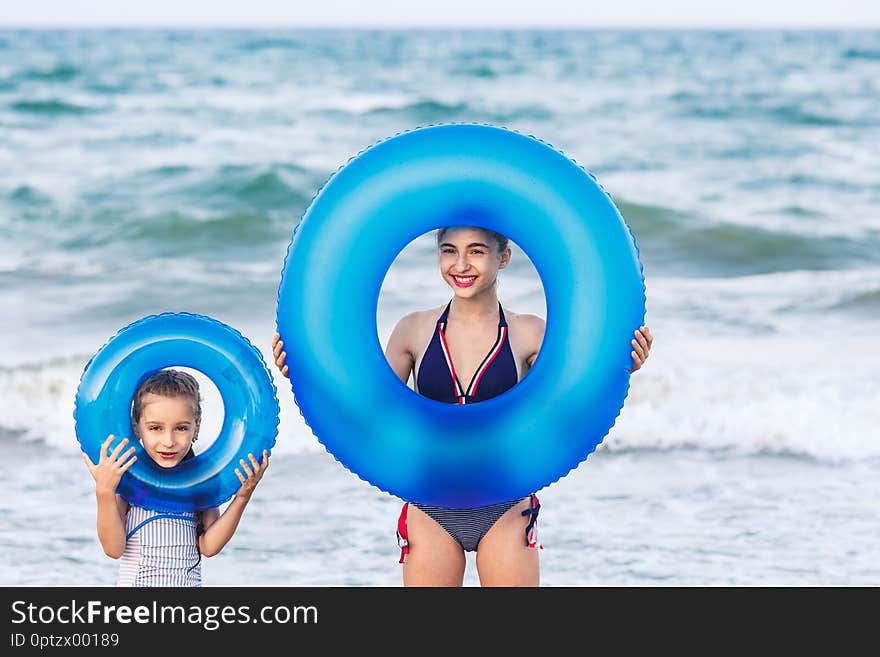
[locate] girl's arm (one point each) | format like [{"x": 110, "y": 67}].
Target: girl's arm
[
  {"x": 111, "y": 523},
  {"x": 641, "y": 347},
  {"x": 111, "y": 507},
  {"x": 220, "y": 528},
  {"x": 279, "y": 354}
]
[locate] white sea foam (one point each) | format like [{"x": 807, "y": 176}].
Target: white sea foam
[
  {"x": 780, "y": 395},
  {"x": 37, "y": 403}
]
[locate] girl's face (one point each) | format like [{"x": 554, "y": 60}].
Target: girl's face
[
  {"x": 470, "y": 260},
  {"x": 167, "y": 428}
]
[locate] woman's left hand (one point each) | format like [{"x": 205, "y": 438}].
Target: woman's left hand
[
  {"x": 254, "y": 474},
  {"x": 641, "y": 347}
]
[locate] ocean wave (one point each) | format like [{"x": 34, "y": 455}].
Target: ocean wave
[
  {"x": 784, "y": 395},
  {"x": 248, "y": 188},
  {"x": 675, "y": 241},
  {"x": 256, "y": 45},
  {"x": 183, "y": 207},
  {"x": 37, "y": 402},
  {"x": 779, "y": 303},
  {"x": 790, "y": 114},
  {"x": 861, "y": 302},
  {"x": 428, "y": 110},
  {"x": 256, "y": 188},
  {"x": 756, "y": 396},
  {"x": 191, "y": 233},
  {"x": 475, "y": 71},
  {"x": 50, "y": 107},
  {"x": 861, "y": 53},
  {"x": 30, "y": 196},
  {"x": 57, "y": 73},
  {"x": 798, "y": 115}
]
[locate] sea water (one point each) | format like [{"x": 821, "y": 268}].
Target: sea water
[{"x": 164, "y": 170}]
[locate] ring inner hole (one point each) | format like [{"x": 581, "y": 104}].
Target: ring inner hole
[{"x": 414, "y": 282}]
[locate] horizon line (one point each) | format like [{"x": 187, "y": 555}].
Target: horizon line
[{"x": 449, "y": 26}]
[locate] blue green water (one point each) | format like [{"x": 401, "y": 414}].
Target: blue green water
[{"x": 153, "y": 170}]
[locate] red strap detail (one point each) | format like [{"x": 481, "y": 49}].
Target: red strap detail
[
  {"x": 402, "y": 535},
  {"x": 532, "y": 538}
]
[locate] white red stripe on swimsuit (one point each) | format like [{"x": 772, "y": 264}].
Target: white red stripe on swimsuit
[{"x": 487, "y": 361}]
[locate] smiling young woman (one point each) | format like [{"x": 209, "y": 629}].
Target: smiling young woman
[{"x": 467, "y": 351}]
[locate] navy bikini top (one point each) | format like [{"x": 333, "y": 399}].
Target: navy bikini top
[{"x": 438, "y": 380}]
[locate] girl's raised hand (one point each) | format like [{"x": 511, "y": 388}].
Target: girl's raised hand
[
  {"x": 254, "y": 474},
  {"x": 111, "y": 466},
  {"x": 280, "y": 356}
]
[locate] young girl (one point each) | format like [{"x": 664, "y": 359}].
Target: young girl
[
  {"x": 163, "y": 549},
  {"x": 465, "y": 352}
]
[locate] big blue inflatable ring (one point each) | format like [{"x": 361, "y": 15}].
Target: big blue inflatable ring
[
  {"x": 507, "y": 447},
  {"x": 250, "y": 423}
]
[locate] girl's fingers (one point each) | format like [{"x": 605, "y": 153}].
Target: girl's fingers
[
  {"x": 254, "y": 462},
  {"x": 277, "y": 347},
  {"x": 245, "y": 467},
  {"x": 240, "y": 478},
  {"x": 91, "y": 466},
  {"x": 265, "y": 463},
  {"x": 128, "y": 464},
  {"x": 105, "y": 446},
  {"x": 279, "y": 360},
  {"x": 118, "y": 450},
  {"x": 647, "y": 333},
  {"x": 284, "y": 371}
]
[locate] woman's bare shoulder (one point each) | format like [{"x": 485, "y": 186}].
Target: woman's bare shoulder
[
  {"x": 526, "y": 334},
  {"x": 524, "y": 322},
  {"x": 418, "y": 321}
]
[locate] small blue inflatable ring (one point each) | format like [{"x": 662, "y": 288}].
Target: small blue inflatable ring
[
  {"x": 234, "y": 365},
  {"x": 507, "y": 447}
]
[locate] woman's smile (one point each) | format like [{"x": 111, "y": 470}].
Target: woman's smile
[{"x": 464, "y": 281}]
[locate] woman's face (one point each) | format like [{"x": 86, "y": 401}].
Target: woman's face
[{"x": 470, "y": 260}]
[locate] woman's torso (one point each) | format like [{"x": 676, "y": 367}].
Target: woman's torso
[
  {"x": 468, "y": 346},
  {"x": 468, "y": 364}
]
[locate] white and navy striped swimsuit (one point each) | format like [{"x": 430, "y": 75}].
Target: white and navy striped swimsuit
[
  {"x": 160, "y": 549},
  {"x": 438, "y": 380}
]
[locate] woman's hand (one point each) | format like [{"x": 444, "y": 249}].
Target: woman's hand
[
  {"x": 280, "y": 356},
  {"x": 253, "y": 475},
  {"x": 110, "y": 467},
  {"x": 641, "y": 347}
]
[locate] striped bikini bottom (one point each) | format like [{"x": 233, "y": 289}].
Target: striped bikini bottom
[{"x": 469, "y": 526}]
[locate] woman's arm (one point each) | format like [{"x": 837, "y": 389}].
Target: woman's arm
[
  {"x": 398, "y": 352},
  {"x": 111, "y": 507},
  {"x": 529, "y": 335},
  {"x": 220, "y": 528}
]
